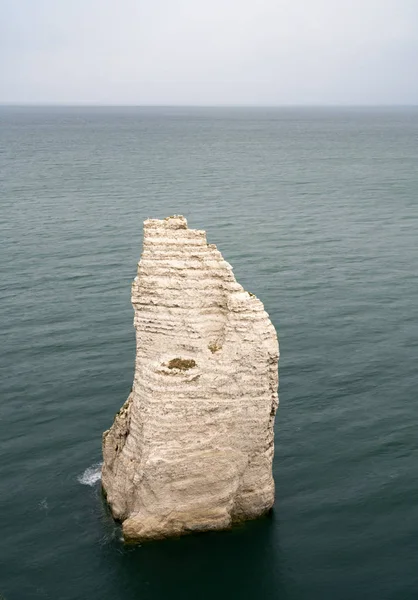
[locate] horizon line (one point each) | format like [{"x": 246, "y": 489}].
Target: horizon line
[{"x": 112, "y": 105}]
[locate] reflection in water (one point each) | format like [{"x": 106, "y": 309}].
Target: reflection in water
[{"x": 244, "y": 562}]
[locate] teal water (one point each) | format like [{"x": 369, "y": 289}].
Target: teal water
[{"x": 317, "y": 210}]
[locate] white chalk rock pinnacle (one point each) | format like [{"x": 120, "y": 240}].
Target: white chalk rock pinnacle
[{"x": 192, "y": 447}]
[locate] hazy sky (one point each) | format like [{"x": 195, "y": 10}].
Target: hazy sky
[{"x": 209, "y": 51}]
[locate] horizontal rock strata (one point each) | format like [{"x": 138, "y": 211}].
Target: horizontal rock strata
[{"x": 192, "y": 447}]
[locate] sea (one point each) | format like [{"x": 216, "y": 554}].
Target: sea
[{"x": 317, "y": 211}]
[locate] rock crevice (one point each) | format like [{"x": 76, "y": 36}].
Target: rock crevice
[{"x": 192, "y": 447}]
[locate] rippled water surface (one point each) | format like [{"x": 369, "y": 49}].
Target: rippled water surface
[{"x": 317, "y": 212}]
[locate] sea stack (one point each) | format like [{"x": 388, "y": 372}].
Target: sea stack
[{"x": 192, "y": 447}]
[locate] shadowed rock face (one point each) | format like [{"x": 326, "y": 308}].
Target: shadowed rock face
[{"x": 192, "y": 447}]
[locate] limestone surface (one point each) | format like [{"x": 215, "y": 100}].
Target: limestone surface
[{"x": 192, "y": 447}]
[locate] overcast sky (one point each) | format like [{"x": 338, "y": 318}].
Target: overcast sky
[{"x": 268, "y": 52}]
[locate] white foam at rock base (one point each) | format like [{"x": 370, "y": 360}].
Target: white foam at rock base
[{"x": 91, "y": 475}]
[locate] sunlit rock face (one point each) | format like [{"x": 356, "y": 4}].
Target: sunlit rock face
[{"x": 192, "y": 447}]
